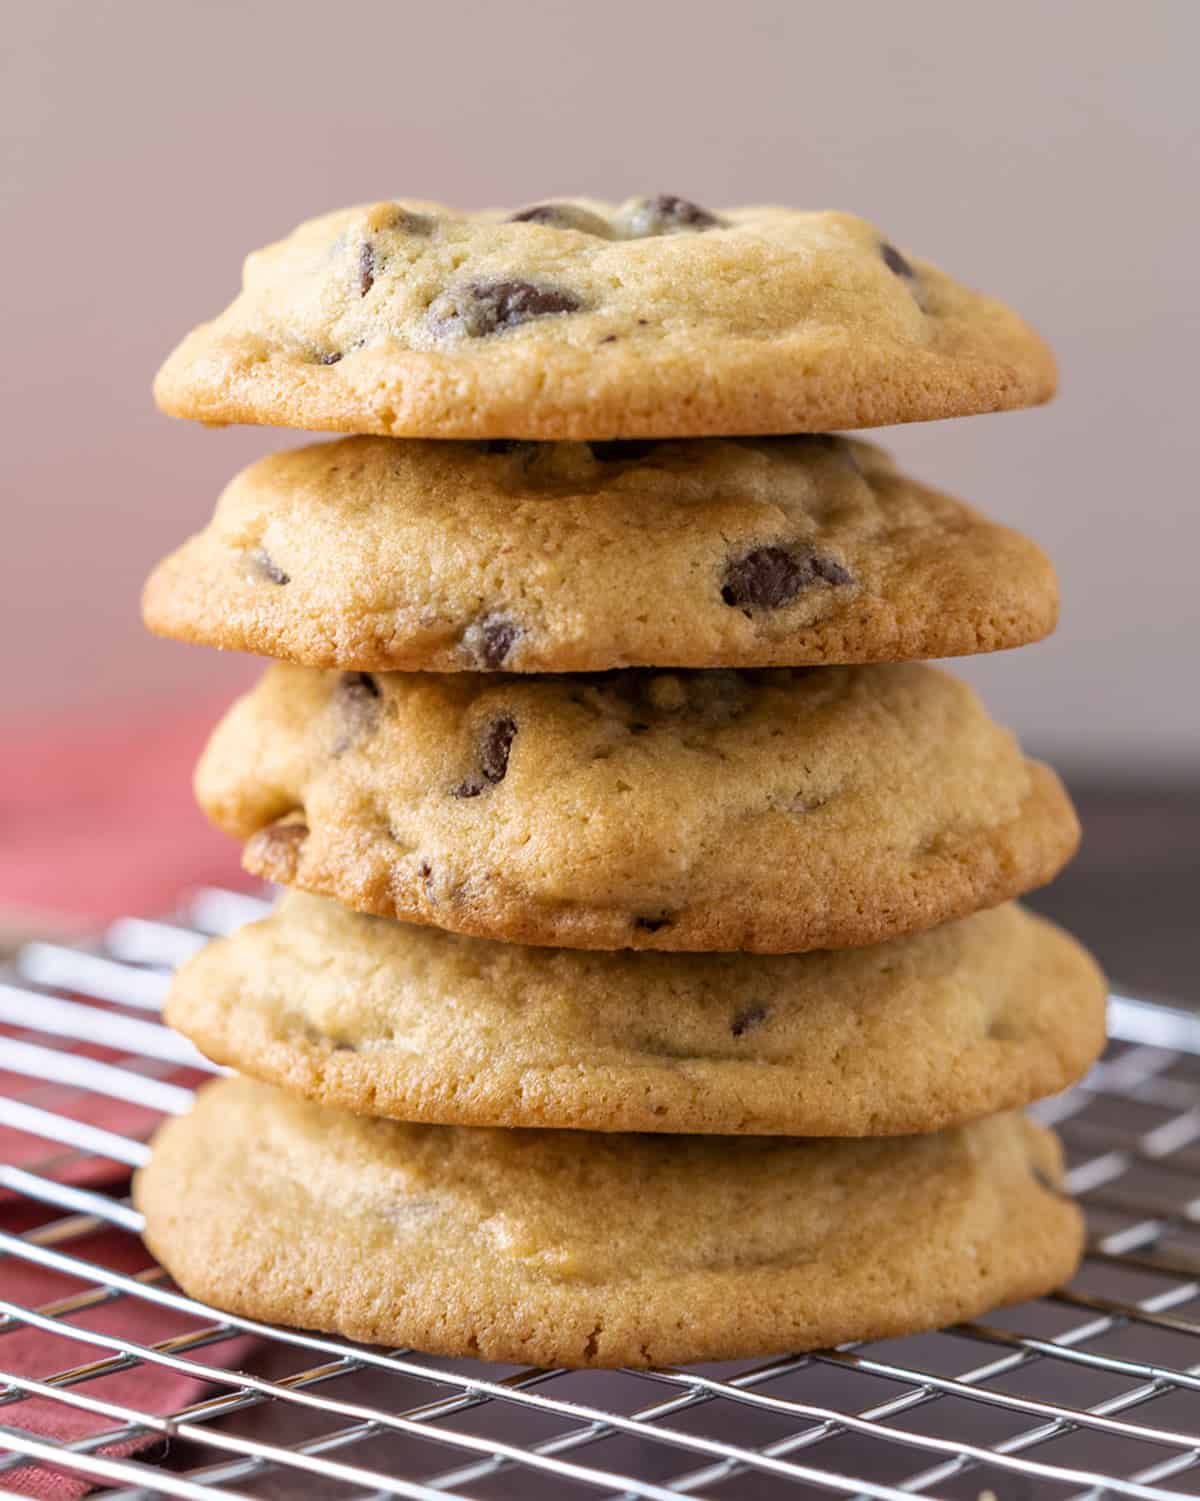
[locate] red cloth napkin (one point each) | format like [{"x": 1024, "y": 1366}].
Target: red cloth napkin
[{"x": 96, "y": 820}]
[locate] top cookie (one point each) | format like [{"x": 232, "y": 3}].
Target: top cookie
[{"x": 576, "y": 319}]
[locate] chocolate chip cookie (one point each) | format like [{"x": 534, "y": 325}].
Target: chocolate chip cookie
[
  {"x": 576, "y": 319},
  {"x": 378, "y": 553},
  {"x": 576, "y": 1249},
  {"x": 769, "y": 810},
  {"x": 388, "y": 1018}
]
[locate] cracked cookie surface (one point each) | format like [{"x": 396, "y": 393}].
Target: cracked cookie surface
[
  {"x": 775, "y": 810},
  {"x": 654, "y": 318},
  {"x": 385, "y": 554},
  {"x": 394, "y": 1019},
  {"x": 570, "y": 1248}
]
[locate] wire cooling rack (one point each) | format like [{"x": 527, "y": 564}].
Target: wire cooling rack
[{"x": 1094, "y": 1391}]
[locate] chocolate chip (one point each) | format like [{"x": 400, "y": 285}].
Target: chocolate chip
[
  {"x": 269, "y": 568},
  {"x": 504, "y": 304},
  {"x": 357, "y": 695},
  {"x": 493, "y": 757},
  {"x": 497, "y": 637},
  {"x": 683, "y": 211},
  {"x": 487, "y": 642},
  {"x": 765, "y": 578},
  {"x": 564, "y": 216},
  {"x": 331, "y": 358},
  {"x": 359, "y": 687},
  {"x": 769, "y": 577},
  {"x": 366, "y": 268},
  {"x": 664, "y": 213},
  {"x": 894, "y": 261},
  {"x": 488, "y": 307},
  {"x": 651, "y": 924},
  {"x": 622, "y": 450},
  {"x": 829, "y": 570},
  {"x": 497, "y": 744},
  {"x": 745, "y": 1021}
]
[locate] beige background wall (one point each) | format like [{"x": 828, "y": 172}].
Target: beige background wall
[{"x": 1046, "y": 150}]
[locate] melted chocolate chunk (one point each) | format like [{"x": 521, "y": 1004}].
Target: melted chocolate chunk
[
  {"x": 366, "y": 268},
  {"x": 745, "y": 1021},
  {"x": 769, "y": 577},
  {"x": 564, "y": 216},
  {"x": 330, "y": 358},
  {"x": 489, "y": 307},
  {"x": 357, "y": 696},
  {"x": 623, "y": 450},
  {"x": 666, "y": 212},
  {"x": 829, "y": 570},
  {"x": 488, "y": 641},
  {"x": 493, "y": 757},
  {"x": 683, "y": 211},
  {"x": 497, "y": 744},
  {"x": 894, "y": 261},
  {"x": 269, "y": 568},
  {"x": 497, "y": 637},
  {"x": 765, "y": 578},
  {"x": 651, "y": 924},
  {"x": 358, "y": 687}
]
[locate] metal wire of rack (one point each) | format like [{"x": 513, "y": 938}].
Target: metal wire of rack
[{"x": 1094, "y": 1391}]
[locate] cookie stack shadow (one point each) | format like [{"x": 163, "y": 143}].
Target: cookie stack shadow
[{"x": 649, "y": 986}]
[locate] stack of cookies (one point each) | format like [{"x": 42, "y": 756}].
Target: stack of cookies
[{"x": 648, "y": 987}]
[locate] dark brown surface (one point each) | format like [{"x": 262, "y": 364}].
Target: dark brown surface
[{"x": 1133, "y": 893}]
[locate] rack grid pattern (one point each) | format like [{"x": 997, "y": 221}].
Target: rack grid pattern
[{"x": 1094, "y": 1391}]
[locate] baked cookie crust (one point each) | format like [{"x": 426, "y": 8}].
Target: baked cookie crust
[
  {"x": 384, "y": 554},
  {"x": 773, "y": 811},
  {"x": 652, "y": 319},
  {"x": 566, "y": 1248},
  {"x": 413, "y": 1023}
]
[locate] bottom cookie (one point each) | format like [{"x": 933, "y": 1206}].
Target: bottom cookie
[{"x": 577, "y": 1249}]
